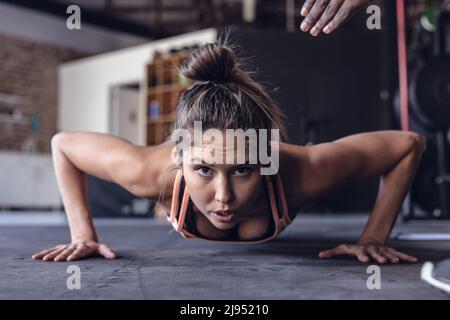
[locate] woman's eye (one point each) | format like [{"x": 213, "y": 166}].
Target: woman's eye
[
  {"x": 242, "y": 171},
  {"x": 204, "y": 171}
]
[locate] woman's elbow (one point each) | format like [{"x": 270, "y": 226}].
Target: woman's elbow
[{"x": 418, "y": 142}]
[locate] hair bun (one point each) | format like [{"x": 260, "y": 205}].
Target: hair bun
[{"x": 211, "y": 62}]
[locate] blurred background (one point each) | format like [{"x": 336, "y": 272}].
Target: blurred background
[{"x": 116, "y": 75}]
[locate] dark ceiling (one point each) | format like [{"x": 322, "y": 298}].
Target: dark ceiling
[{"x": 155, "y": 19}]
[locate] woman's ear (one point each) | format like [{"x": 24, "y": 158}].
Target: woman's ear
[
  {"x": 177, "y": 158},
  {"x": 179, "y": 162}
]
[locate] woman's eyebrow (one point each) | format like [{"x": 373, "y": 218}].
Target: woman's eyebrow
[{"x": 198, "y": 160}]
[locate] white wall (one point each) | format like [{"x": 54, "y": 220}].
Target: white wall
[
  {"x": 40, "y": 27},
  {"x": 84, "y": 85}
]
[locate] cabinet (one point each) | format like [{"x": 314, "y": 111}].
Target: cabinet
[{"x": 28, "y": 181}]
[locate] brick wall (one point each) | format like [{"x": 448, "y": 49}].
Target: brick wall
[{"x": 28, "y": 86}]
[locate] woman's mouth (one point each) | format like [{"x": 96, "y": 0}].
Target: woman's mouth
[{"x": 223, "y": 216}]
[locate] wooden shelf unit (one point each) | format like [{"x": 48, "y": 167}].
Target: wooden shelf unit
[{"x": 164, "y": 86}]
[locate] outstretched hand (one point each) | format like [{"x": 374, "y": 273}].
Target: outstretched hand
[
  {"x": 75, "y": 251},
  {"x": 366, "y": 251},
  {"x": 327, "y": 15}
]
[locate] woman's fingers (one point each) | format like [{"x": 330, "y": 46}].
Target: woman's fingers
[
  {"x": 79, "y": 253},
  {"x": 376, "y": 255},
  {"x": 392, "y": 258},
  {"x": 329, "y": 253},
  {"x": 65, "y": 253},
  {"x": 402, "y": 256},
  {"x": 42, "y": 253},
  {"x": 365, "y": 253},
  {"x": 342, "y": 249},
  {"x": 361, "y": 254},
  {"x": 50, "y": 256},
  {"x": 106, "y": 252},
  {"x": 74, "y": 251}
]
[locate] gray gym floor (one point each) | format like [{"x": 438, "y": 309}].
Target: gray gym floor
[{"x": 158, "y": 264}]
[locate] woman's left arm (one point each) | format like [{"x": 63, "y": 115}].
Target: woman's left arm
[{"x": 392, "y": 155}]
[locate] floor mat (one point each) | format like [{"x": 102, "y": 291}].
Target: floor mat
[{"x": 156, "y": 263}]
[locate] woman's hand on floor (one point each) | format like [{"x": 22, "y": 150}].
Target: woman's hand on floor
[
  {"x": 366, "y": 251},
  {"x": 75, "y": 251}
]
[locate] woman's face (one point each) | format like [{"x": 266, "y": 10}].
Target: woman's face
[{"x": 225, "y": 193}]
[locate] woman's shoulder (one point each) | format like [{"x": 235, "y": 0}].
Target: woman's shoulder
[
  {"x": 292, "y": 159},
  {"x": 293, "y": 169}
]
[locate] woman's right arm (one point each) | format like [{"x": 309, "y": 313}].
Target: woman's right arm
[{"x": 101, "y": 155}]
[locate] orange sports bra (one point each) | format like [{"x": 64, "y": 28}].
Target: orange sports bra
[{"x": 183, "y": 222}]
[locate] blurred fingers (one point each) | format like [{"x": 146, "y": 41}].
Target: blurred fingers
[
  {"x": 42, "y": 253},
  {"x": 375, "y": 254},
  {"x": 361, "y": 254},
  {"x": 402, "y": 256},
  {"x": 342, "y": 249},
  {"x": 50, "y": 256},
  {"x": 307, "y": 7},
  {"x": 326, "y": 17},
  {"x": 339, "y": 18},
  {"x": 106, "y": 252},
  {"x": 392, "y": 258},
  {"x": 314, "y": 14},
  {"x": 65, "y": 253},
  {"x": 79, "y": 253}
]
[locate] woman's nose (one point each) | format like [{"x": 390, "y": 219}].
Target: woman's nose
[
  {"x": 223, "y": 192},
  {"x": 222, "y": 197}
]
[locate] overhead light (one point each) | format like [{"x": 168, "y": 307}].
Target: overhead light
[{"x": 249, "y": 10}]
